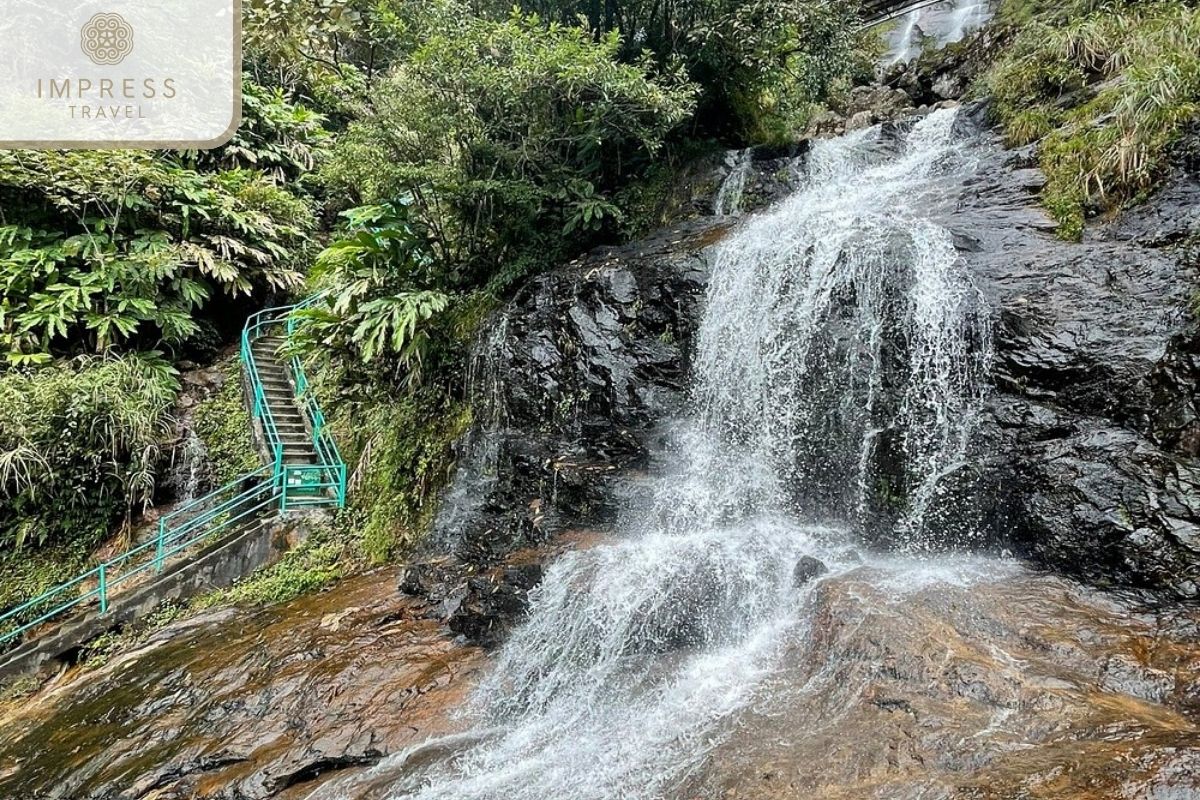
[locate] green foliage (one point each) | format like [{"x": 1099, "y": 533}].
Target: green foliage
[
  {"x": 79, "y": 445},
  {"x": 384, "y": 309},
  {"x": 317, "y": 562},
  {"x": 761, "y": 64},
  {"x": 19, "y": 688},
  {"x": 772, "y": 61},
  {"x": 510, "y": 139},
  {"x": 332, "y": 47},
  {"x": 29, "y": 573},
  {"x": 475, "y": 144},
  {"x": 104, "y": 248},
  {"x": 404, "y": 457},
  {"x": 224, "y": 427},
  {"x": 284, "y": 141},
  {"x": 1107, "y": 94}
]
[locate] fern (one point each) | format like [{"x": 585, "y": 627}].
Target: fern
[{"x": 385, "y": 299}]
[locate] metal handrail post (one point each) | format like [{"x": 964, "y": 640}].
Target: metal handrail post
[
  {"x": 103, "y": 589},
  {"x": 162, "y": 545}
]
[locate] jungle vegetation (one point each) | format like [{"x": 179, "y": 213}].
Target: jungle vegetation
[{"x": 413, "y": 160}]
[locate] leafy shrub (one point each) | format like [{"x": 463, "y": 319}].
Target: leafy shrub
[
  {"x": 224, "y": 427},
  {"x": 768, "y": 63},
  {"x": 387, "y": 306},
  {"x": 761, "y": 64},
  {"x": 79, "y": 446},
  {"x": 104, "y": 248},
  {"x": 510, "y": 138},
  {"x": 329, "y": 47},
  {"x": 285, "y": 141},
  {"x": 1106, "y": 93},
  {"x": 28, "y": 573}
]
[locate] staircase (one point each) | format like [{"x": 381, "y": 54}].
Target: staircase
[
  {"x": 280, "y": 392},
  {"x": 303, "y": 470}
]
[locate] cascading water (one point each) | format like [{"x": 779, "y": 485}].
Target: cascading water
[
  {"x": 728, "y": 201},
  {"x": 844, "y": 288},
  {"x": 840, "y": 343},
  {"x": 188, "y": 471},
  {"x": 477, "y": 454},
  {"x": 904, "y": 43},
  {"x": 937, "y": 25}
]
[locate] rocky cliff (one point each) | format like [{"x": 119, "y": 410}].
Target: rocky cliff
[{"x": 1084, "y": 461}]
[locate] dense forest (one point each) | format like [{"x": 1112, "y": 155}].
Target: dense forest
[{"x": 413, "y": 161}]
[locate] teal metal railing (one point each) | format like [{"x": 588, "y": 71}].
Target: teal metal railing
[
  {"x": 300, "y": 485},
  {"x": 275, "y": 487}
]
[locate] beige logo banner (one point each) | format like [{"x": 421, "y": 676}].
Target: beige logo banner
[{"x": 119, "y": 73}]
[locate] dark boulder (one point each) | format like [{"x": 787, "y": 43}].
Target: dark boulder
[
  {"x": 1088, "y": 445},
  {"x": 494, "y": 602},
  {"x": 807, "y": 569},
  {"x": 683, "y": 614},
  {"x": 577, "y": 372}
]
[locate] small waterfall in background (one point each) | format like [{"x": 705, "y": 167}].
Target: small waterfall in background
[
  {"x": 187, "y": 473},
  {"x": 728, "y": 201},
  {"x": 841, "y": 345},
  {"x": 905, "y": 43},
  {"x": 478, "y": 453},
  {"x": 937, "y": 25}
]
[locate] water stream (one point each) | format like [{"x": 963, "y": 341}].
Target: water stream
[
  {"x": 738, "y": 164},
  {"x": 835, "y": 322},
  {"x": 936, "y": 26},
  {"x": 187, "y": 473}
]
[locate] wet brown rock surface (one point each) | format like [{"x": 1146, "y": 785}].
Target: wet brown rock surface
[
  {"x": 1027, "y": 688},
  {"x": 1024, "y": 687},
  {"x": 243, "y": 704}
]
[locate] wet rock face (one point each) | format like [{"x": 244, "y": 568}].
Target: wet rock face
[
  {"x": 242, "y": 704},
  {"x": 807, "y": 569},
  {"x": 1024, "y": 686},
  {"x": 1027, "y": 688},
  {"x": 590, "y": 359},
  {"x": 1089, "y": 443},
  {"x": 1086, "y": 456},
  {"x": 946, "y": 73},
  {"x": 481, "y": 607}
]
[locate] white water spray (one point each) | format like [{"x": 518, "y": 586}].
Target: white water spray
[
  {"x": 937, "y": 26},
  {"x": 738, "y": 164},
  {"x": 188, "y": 471},
  {"x": 836, "y": 319}
]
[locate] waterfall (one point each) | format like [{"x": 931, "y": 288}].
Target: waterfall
[
  {"x": 478, "y": 453},
  {"x": 729, "y": 196},
  {"x": 842, "y": 289},
  {"x": 188, "y": 471},
  {"x": 940, "y": 24},
  {"x": 905, "y": 42},
  {"x": 967, "y": 16},
  {"x": 840, "y": 343}
]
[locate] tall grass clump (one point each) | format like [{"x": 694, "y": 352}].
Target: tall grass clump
[
  {"x": 1106, "y": 93},
  {"x": 80, "y": 444}
]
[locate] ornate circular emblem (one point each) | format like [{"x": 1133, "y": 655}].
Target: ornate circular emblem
[{"x": 107, "y": 38}]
